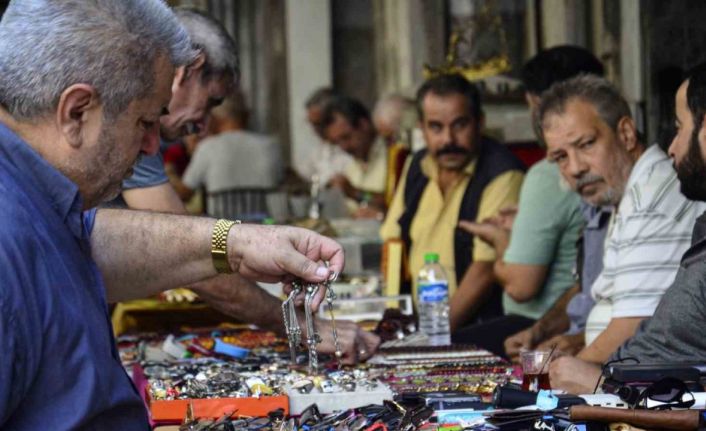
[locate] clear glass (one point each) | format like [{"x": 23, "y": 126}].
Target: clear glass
[{"x": 535, "y": 369}]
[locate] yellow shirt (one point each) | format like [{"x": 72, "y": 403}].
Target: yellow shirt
[
  {"x": 433, "y": 226},
  {"x": 369, "y": 176}
]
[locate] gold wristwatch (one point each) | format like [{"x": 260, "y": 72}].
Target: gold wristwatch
[{"x": 219, "y": 245}]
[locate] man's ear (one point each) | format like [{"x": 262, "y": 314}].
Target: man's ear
[
  {"x": 627, "y": 132},
  {"x": 702, "y": 135},
  {"x": 75, "y": 103},
  {"x": 185, "y": 72}
]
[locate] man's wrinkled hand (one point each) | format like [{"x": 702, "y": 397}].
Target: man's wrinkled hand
[
  {"x": 284, "y": 253},
  {"x": 356, "y": 344},
  {"x": 488, "y": 231},
  {"x": 566, "y": 344},
  {"x": 573, "y": 375},
  {"x": 339, "y": 181}
]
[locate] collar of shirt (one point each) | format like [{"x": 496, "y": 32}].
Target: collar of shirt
[
  {"x": 647, "y": 160},
  {"x": 61, "y": 193},
  {"x": 595, "y": 217},
  {"x": 699, "y": 233}
]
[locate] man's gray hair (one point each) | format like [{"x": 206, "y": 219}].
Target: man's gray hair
[
  {"x": 610, "y": 105},
  {"x": 211, "y": 38},
  {"x": 47, "y": 46},
  {"x": 391, "y": 108}
]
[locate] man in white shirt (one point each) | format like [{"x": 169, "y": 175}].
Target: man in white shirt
[{"x": 591, "y": 136}]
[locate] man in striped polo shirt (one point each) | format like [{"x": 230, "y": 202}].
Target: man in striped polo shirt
[{"x": 591, "y": 136}]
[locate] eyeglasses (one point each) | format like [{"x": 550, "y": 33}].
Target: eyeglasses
[{"x": 669, "y": 392}]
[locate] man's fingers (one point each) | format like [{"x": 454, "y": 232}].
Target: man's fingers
[
  {"x": 300, "y": 266},
  {"x": 468, "y": 226},
  {"x": 509, "y": 210},
  {"x": 371, "y": 343}
]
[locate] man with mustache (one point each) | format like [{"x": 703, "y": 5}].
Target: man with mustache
[
  {"x": 196, "y": 89},
  {"x": 347, "y": 124},
  {"x": 460, "y": 175},
  {"x": 591, "y": 136}
]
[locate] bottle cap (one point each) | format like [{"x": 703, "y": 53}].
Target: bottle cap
[{"x": 431, "y": 257}]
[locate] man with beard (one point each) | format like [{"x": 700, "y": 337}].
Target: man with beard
[
  {"x": 197, "y": 88},
  {"x": 461, "y": 175},
  {"x": 673, "y": 333}
]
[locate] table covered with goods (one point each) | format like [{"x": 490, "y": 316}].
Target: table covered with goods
[{"x": 243, "y": 378}]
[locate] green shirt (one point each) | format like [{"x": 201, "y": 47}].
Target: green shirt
[{"x": 544, "y": 233}]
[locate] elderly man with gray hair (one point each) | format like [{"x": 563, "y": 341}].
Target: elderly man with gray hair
[
  {"x": 591, "y": 136},
  {"x": 82, "y": 88}
]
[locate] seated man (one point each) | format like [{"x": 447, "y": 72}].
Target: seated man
[
  {"x": 347, "y": 124},
  {"x": 236, "y": 167},
  {"x": 591, "y": 136},
  {"x": 326, "y": 159},
  {"x": 675, "y": 332},
  {"x": 461, "y": 175},
  {"x": 539, "y": 254}
]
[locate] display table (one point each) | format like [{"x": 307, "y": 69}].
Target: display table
[{"x": 153, "y": 315}]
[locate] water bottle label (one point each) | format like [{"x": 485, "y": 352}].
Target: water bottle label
[{"x": 433, "y": 292}]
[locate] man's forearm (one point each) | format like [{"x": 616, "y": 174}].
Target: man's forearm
[
  {"x": 244, "y": 300},
  {"x": 555, "y": 321},
  {"x": 141, "y": 253},
  {"x": 472, "y": 292},
  {"x": 613, "y": 336}
]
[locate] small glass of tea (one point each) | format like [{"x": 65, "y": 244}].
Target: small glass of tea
[{"x": 535, "y": 368}]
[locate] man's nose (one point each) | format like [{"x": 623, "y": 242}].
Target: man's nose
[
  {"x": 672, "y": 148},
  {"x": 447, "y": 136},
  {"x": 576, "y": 166}
]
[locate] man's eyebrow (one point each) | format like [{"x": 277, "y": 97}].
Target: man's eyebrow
[{"x": 578, "y": 140}]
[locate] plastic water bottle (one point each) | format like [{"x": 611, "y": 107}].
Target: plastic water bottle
[{"x": 433, "y": 301}]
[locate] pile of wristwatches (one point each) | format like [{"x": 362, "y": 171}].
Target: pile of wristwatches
[{"x": 214, "y": 378}]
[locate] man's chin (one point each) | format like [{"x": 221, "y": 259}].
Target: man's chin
[{"x": 598, "y": 198}]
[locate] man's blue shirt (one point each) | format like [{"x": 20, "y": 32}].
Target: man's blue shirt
[
  {"x": 59, "y": 367},
  {"x": 594, "y": 234},
  {"x": 148, "y": 172}
]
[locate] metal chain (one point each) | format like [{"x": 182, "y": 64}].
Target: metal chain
[
  {"x": 312, "y": 337},
  {"x": 291, "y": 323},
  {"x": 330, "y": 297}
]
